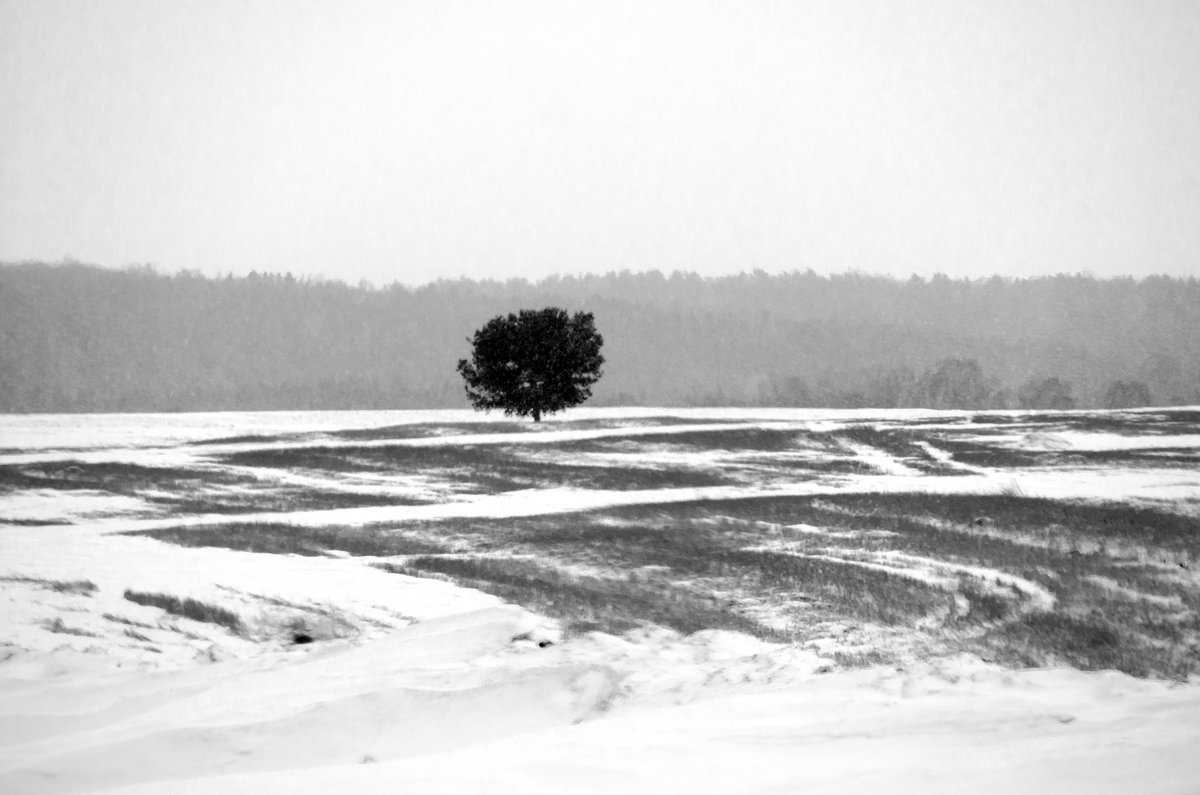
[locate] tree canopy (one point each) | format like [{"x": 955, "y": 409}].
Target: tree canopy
[{"x": 536, "y": 362}]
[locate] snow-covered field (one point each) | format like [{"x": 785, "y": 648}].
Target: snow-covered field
[{"x": 714, "y": 601}]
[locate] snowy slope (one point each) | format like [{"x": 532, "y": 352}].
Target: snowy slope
[{"x": 450, "y": 706}]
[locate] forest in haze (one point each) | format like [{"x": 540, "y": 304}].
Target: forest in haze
[{"x": 75, "y": 337}]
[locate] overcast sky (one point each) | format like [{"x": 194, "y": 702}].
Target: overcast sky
[{"x": 417, "y": 140}]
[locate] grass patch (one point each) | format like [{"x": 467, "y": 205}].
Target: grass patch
[
  {"x": 1183, "y": 417},
  {"x": 477, "y": 468},
  {"x": 995, "y": 456},
  {"x": 691, "y": 549},
  {"x": 1111, "y": 560},
  {"x": 1089, "y": 643},
  {"x": 731, "y": 440},
  {"x": 187, "y": 608},
  {"x": 56, "y": 625},
  {"x": 353, "y": 458},
  {"x": 863, "y": 593},
  {"x": 113, "y": 477},
  {"x": 586, "y": 603},
  {"x": 129, "y": 622},
  {"x": 248, "y": 438},
  {"x": 1166, "y": 458},
  {"x": 866, "y": 658},
  {"x": 288, "y": 539},
  {"x": 831, "y": 464},
  {"x": 999, "y": 419},
  {"x": 427, "y": 429},
  {"x": 81, "y": 587},
  {"x": 1123, "y": 422},
  {"x": 424, "y": 430},
  {"x": 275, "y": 499},
  {"x": 984, "y": 606},
  {"x": 689, "y": 552},
  {"x": 1018, "y": 515}
]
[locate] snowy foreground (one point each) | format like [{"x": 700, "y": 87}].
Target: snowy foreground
[{"x": 439, "y": 688}]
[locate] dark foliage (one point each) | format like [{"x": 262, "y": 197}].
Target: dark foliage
[{"x": 533, "y": 363}]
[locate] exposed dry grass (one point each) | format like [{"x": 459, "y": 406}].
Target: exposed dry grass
[
  {"x": 269, "y": 497},
  {"x": 1122, "y": 577},
  {"x": 127, "y": 621},
  {"x": 56, "y": 625},
  {"x": 113, "y": 477},
  {"x": 290, "y": 539},
  {"x": 586, "y": 603},
  {"x": 188, "y": 608},
  {"x": 477, "y": 468},
  {"x": 863, "y": 658},
  {"x": 747, "y": 550},
  {"x": 733, "y": 440},
  {"x": 81, "y": 587},
  {"x": 423, "y": 430}
]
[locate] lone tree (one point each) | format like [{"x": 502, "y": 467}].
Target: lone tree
[{"x": 536, "y": 362}]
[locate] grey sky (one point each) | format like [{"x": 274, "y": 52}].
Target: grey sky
[{"x": 416, "y": 140}]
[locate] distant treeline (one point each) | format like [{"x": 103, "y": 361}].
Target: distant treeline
[{"x": 81, "y": 338}]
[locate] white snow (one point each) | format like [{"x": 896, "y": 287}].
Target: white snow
[
  {"x": 98, "y": 431},
  {"x": 57, "y": 505},
  {"x": 418, "y": 685},
  {"x": 880, "y": 460},
  {"x": 946, "y": 459},
  {"x": 416, "y": 712},
  {"x": 1100, "y": 442}
]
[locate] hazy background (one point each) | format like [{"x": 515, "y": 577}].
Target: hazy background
[
  {"x": 416, "y": 140},
  {"x": 83, "y": 338}
]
